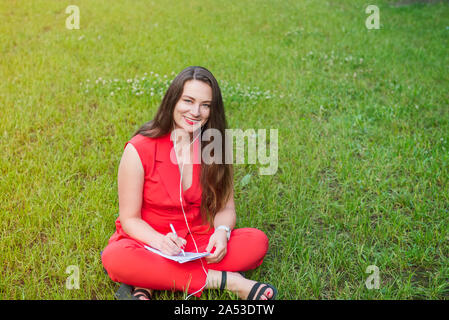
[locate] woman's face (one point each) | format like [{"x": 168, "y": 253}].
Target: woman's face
[{"x": 193, "y": 108}]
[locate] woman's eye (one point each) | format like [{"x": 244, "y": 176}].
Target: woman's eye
[
  {"x": 187, "y": 100},
  {"x": 206, "y": 105}
]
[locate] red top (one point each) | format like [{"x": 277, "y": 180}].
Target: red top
[{"x": 160, "y": 199}]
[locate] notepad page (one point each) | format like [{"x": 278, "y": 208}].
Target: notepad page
[{"x": 189, "y": 256}]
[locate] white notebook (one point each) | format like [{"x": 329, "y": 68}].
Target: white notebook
[{"x": 190, "y": 256}]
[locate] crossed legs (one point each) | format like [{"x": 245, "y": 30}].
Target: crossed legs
[{"x": 129, "y": 262}]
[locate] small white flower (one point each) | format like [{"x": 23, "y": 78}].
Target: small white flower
[
  {"x": 129, "y": 80},
  {"x": 112, "y": 93}
]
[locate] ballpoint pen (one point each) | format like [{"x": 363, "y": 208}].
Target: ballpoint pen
[{"x": 174, "y": 231}]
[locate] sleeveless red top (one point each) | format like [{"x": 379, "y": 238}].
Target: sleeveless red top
[{"x": 161, "y": 203}]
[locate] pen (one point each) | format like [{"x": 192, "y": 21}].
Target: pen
[{"x": 174, "y": 231}]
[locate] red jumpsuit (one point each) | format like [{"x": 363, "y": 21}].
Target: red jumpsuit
[{"x": 127, "y": 261}]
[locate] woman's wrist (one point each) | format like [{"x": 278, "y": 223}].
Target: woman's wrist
[
  {"x": 156, "y": 241},
  {"x": 225, "y": 229}
]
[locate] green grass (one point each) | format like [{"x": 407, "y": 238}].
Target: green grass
[{"x": 363, "y": 145}]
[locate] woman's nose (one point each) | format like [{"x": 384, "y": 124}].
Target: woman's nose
[{"x": 195, "y": 110}]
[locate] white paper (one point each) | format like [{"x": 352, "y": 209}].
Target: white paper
[{"x": 190, "y": 256}]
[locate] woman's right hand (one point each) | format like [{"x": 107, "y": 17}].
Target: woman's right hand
[{"x": 171, "y": 244}]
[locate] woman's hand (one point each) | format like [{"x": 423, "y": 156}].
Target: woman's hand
[
  {"x": 218, "y": 240},
  {"x": 171, "y": 244}
]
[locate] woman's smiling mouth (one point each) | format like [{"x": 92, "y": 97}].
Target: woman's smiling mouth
[{"x": 191, "y": 121}]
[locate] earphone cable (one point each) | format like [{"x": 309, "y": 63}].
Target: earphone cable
[{"x": 185, "y": 216}]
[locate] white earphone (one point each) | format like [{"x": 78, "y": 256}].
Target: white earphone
[{"x": 182, "y": 207}]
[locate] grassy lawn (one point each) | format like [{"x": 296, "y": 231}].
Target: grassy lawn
[{"x": 363, "y": 120}]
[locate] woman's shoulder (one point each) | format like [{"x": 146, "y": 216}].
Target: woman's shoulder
[
  {"x": 146, "y": 149},
  {"x": 146, "y": 139},
  {"x": 146, "y": 146},
  {"x": 141, "y": 138}
]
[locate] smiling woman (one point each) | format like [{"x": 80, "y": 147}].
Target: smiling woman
[
  {"x": 196, "y": 198},
  {"x": 187, "y": 96},
  {"x": 190, "y": 110}
]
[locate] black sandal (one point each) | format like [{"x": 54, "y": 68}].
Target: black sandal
[
  {"x": 261, "y": 291},
  {"x": 224, "y": 279},
  {"x": 253, "y": 291},
  {"x": 127, "y": 292},
  {"x": 137, "y": 293}
]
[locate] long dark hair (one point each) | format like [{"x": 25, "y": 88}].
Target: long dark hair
[{"x": 216, "y": 178}]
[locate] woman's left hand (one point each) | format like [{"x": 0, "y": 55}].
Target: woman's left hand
[{"x": 218, "y": 240}]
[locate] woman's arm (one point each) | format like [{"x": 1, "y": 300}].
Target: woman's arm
[
  {"x": 219, "y": 238},
  {"x": 227, "y": 215},
  {"x": 130, "y": 190}
]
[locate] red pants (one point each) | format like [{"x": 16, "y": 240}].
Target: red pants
[{"x": 127, "y": 261}]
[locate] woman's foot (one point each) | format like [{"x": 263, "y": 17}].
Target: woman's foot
[
  {"x": 242, "y": 286},
  {"x": 142, "y": 293}
]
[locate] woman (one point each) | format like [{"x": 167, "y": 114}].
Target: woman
[{"x": 158, "y": 188}]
